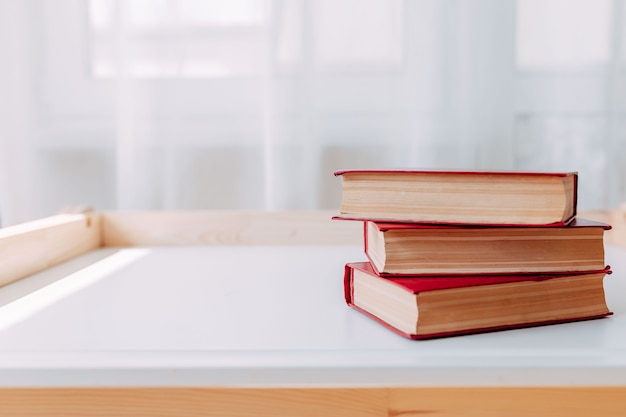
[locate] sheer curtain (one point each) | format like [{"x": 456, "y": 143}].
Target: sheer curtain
[{"x": 252, "y": 104}]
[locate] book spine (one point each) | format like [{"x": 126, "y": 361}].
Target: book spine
[{"x": 347, "y": 284}]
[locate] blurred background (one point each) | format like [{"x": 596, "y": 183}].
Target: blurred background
[{"x": 252, "y": 104}]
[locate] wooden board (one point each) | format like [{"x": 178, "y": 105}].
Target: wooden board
[
  {"x": 34, "y": 246},
  {"x": 172, "y": 228},
  {"x": 336, "y": 402},
  {"x": 31, "y": 247}
]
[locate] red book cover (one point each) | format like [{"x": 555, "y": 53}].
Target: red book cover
[
  {"x": 496, "y": 244},
  {"x": 417, "y": 285},
  {"x": 454, "y": 172}
]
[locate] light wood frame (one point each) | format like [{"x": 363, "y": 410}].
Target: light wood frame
[{"x": 35, "y": 246}]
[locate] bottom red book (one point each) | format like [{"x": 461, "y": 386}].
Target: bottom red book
[{"x": 430, "y": 307}]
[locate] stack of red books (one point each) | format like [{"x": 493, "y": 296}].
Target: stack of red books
[{"x": 457, "y": 252}]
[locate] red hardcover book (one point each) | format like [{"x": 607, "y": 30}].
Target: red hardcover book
[
  {"x": 417, "y": 249},
  {"x": 431, "y": 307},
  {"x": 459, "y": 197}
]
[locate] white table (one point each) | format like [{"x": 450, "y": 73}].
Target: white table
[{"x": 227, "y": 330}]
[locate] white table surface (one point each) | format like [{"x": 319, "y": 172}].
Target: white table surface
[{"x": 267, "y": 317}]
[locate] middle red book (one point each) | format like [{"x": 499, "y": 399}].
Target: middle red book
[{"x": 414, "y": 249}]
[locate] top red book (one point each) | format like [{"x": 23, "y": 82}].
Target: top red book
[{"x": 459, "y": 197}]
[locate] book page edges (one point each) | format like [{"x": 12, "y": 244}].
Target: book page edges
[
  {"x": 417, "y": 336},
  {"x": 366, "y": 267}
]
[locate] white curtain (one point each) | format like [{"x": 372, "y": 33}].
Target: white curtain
[{"x": 252, "y": 104}]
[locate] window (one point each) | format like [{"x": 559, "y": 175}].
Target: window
[{"x": 188, "y": 39}]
